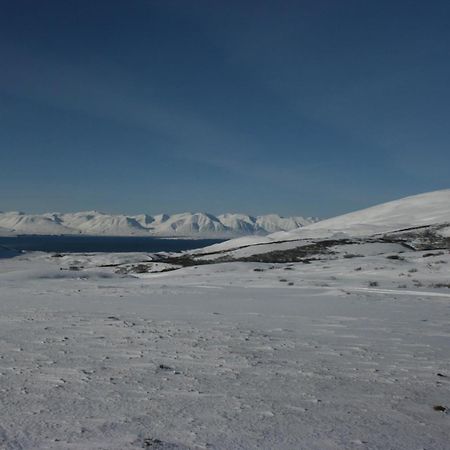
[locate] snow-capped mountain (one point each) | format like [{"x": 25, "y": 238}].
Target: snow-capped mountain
[
  {"x": 21, "y": 223},
  {"x": 93, "y": 222},
  {"x": 176, "y": 225},
  {"x": 187, "y": 224}
]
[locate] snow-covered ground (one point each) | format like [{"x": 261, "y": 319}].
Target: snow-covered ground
[
  {"x": 344, "y": 343},
  {"x": 349, "y": 353}
]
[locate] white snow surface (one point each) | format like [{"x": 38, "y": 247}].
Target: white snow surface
[
  {"x": 184, "y": 224},
  {"x": 350, "y": 351},
  {"x": 414, "y": 211},
  {"x": 333, "y": 355}
]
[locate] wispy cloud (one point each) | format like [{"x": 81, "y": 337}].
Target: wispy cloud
[{"x": 110, "y": 92}]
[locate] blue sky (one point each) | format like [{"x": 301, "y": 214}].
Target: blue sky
[{"x": 295, "y": 107}]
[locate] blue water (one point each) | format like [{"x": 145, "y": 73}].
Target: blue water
[{"x": 87, "y": 244}]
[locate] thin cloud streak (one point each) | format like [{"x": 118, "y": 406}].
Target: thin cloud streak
[{"x": 100, "y": 94}]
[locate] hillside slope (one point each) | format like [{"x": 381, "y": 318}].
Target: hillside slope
[{"x": 431, "y": 209}]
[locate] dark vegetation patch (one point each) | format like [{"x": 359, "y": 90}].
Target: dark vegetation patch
[
  {"x": 187, "y": 260},
  {"x": 72, "y": 268},
  {"x": 440, "y": 285},
  {"x": 308, "y": 250},
  {"x": 158, "y": 444},
  {"x": 398, "y": 257},
  {"x": 422, "y": 238},
  {"x": 305, "y": 253},
  {"x": 142, "y": 268},
  {"x": 427, "y": 255}
]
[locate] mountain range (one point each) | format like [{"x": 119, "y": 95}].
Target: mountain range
[{"x": 175, "y": 225}]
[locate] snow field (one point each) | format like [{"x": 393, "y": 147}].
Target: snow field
[{"x": 226, "y": 356}]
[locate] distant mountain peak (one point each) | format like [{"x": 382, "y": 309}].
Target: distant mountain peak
[{"x": 187, "y": 224}]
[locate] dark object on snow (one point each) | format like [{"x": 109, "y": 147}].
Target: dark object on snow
[
  {"x": 395, "y": 257},
  {"x": 440, "y": 408},
  {"x": 152, "y": 443},
  {"x": 427, "y": 255},
  {"x": 160, "y": 445}
]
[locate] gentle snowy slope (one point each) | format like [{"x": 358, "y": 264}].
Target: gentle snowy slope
[
  {"x": 419, "y": 210},
  {"x": 185, "y": 224}
]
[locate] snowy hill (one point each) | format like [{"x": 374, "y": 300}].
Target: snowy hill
[
  {"x": 414, "y": 211},
  {"x": 423, "y": 210},
  {"x": 176, "y": 225}
]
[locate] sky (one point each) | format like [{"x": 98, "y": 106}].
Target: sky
[{"x": 312, "y": 108}]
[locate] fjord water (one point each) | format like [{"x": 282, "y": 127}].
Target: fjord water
[{"x": 95, "y": 244}]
